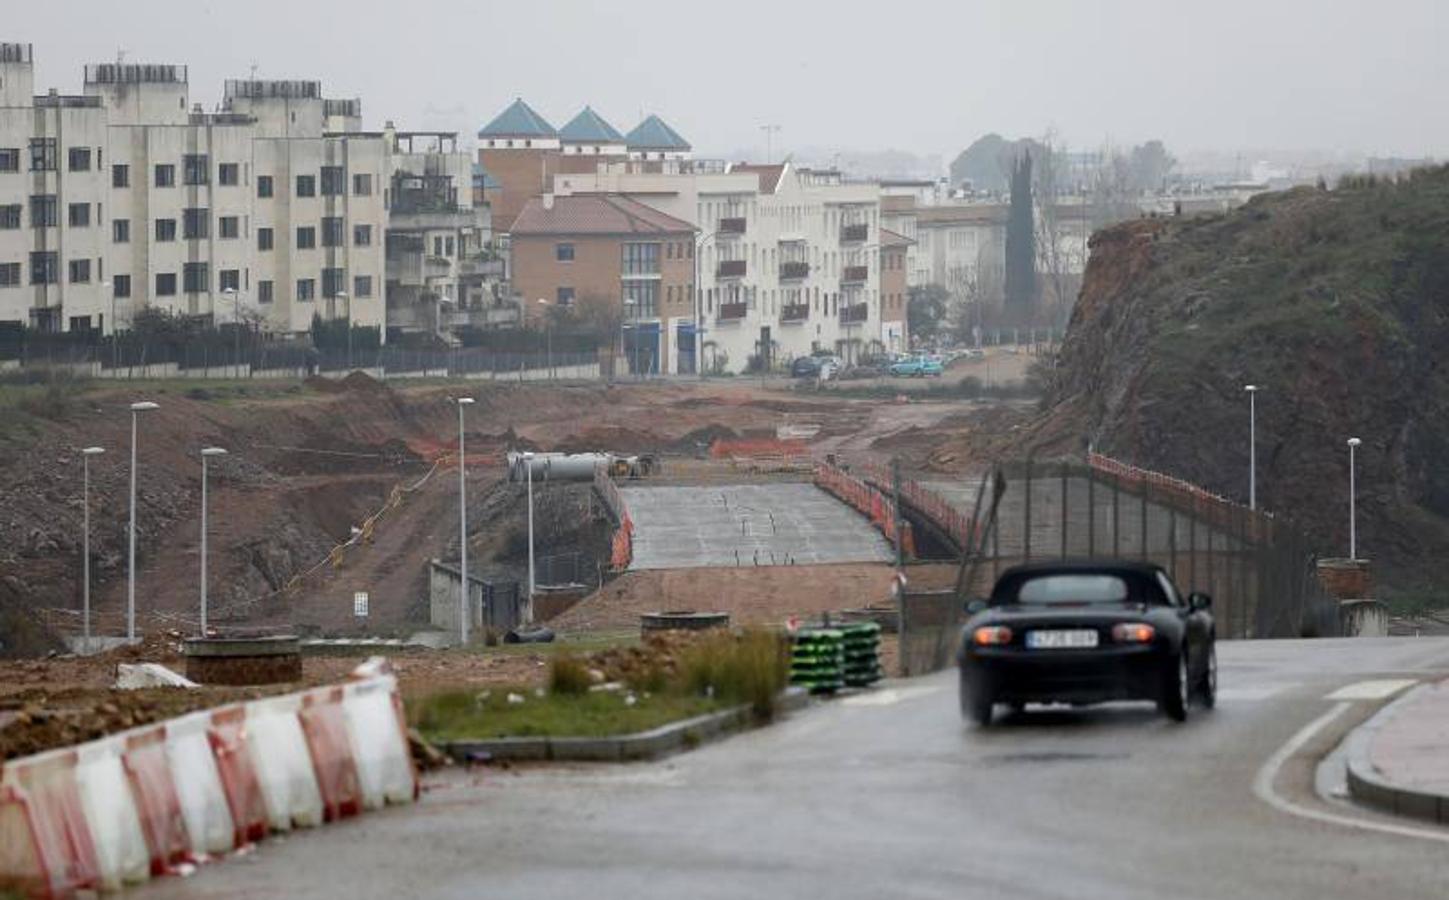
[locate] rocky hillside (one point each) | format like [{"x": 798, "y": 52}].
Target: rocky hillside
[{"x": 1336, "y": 303}]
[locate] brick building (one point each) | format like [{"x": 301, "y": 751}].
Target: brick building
[{"x": 894, "y": 268}]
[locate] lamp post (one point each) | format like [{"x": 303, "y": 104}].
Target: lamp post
[
  {"x": 343, "y": 295},
  {"x": 1252, "y": 390},
  {"x": 136, "y": 410},
  {"x": 628, "y": 311},
  {"x": 463, "y": 403},
  {"x": 1353, "y": 444},
  {"x": 528, "y": 465},
  {"x": 699, "y": 305},
  {"x": 86, "y": 455},
  {"x": 548, "y": 336},
  {"x": 236, "y": 326},
  {"x": 206, "y": 454}
]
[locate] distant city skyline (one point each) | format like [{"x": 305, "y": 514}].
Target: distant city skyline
[{"x": 926, "y": 78}]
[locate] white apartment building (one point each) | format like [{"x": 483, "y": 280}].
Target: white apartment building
[{"x": 273, "y": 209}]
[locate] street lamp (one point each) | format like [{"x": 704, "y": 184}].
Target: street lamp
[
  {"x": 236, "y": 325},
  {"x": 629, "y": 304},
  {"x": 548, "y": 336},
  {"x": 1252, "y": 390},
  {"x": 86, "y": 455},
  {"x": 699, "y": 305},
  {"x": 463, "y": 403},
  {"x": 136, "y": 410},
  {"x": 343, "y": 295},
  {"x": 206, "y": 454},
  {"x": 1353, "y": 444},
  {"x": 528, "y": 464}
]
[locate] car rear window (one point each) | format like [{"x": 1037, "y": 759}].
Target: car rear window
[{"x": 1072, "y": 588}]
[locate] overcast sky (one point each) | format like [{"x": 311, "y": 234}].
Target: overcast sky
[{"x": 927, "y": 76}]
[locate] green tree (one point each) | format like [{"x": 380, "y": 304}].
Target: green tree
[
  {"x": 926, "y": 307},
  {"x": 1021, "y": 239}
]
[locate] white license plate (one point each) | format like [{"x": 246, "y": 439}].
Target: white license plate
[{"x": 1063, "y": 639}]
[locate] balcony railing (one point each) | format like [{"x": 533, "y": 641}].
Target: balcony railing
[
  {"x": 730, "y": 268},
  {"x": 732, "y": 227},
  {"x": 854, "y": 314},
  {"x": 854, "y": 274},
  {"x": 794, "y": 312},
  {"x": 850, "y": 234},
  {"x": 793, "y": 271},
  {"x": 729, "y": 312}
]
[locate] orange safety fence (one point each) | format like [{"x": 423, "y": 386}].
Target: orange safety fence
[
  {"x": 1207, "y": 506},
  {"x": 868, "y": 501},
  {"x": 621, "y": 550},
  {"x": 957, "y": 525}
]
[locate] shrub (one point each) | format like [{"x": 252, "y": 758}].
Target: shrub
[
  {"x": 751, "y": 667},
  {"x": 568, "y": 675}
]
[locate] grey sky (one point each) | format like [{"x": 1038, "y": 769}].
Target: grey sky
[{"x": 927, "y": 76}]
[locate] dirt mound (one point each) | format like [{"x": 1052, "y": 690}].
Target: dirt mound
[
  {"x": 699, "y": 440},
  {"x": 614, "y": 438}
]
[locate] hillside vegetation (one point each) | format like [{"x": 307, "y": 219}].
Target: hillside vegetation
[{"x": 1335, "y": 303}]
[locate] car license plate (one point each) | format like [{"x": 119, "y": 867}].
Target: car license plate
[{"x": 1064, "y": 639}]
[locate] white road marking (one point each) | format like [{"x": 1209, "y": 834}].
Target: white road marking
[
  {"x": 1253, "y": 694},
  {"x": 1380, "y": 689},
  {"x": 890, "y": 696},
  {"x": 1268, "y": 774}
]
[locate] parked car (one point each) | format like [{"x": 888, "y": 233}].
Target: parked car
[
  {"x": 805, "y": 367},
  {"x": 917, "y": 367},
  {"x": 1087, "y": 632}
]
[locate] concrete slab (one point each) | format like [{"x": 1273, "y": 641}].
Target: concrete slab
[{"x": 678, "y": 527}]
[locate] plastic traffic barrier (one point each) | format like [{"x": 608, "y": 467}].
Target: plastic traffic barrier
[
  {"x": 325, "y": 724},
  {"x": 46, "y": 848},
  {"x": 121, "y": 853},
  {"x": 198, "y": 786},
  {"x": 283, "y": 763},
  {"x": 244, "y": 800},
  {"x": 158, "y": 807},
  {"x": 379, "y": 742}
]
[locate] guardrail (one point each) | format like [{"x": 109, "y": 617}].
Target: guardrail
[{"x": 869, "y": 502}]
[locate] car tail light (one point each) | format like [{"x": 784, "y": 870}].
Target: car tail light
[
  {"x": 1133, "y": 633},
  {"x": 990, "y": 635}
]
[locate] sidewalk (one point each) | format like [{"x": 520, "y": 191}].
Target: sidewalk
[{"x": 1398, "y": 760}]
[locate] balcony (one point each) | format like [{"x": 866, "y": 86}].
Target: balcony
[
  {"x": 854, "y": 314},
  {"x": 854, "y": 234},
  {"x": 792, "y": 313},
  {"x": 732, "y": 312},
  {"x": 730, "y": 268},
  {"x": 854, "y": 274},
  {"x": 794, "y": 271},
  {"x": 732, "y": 227}
]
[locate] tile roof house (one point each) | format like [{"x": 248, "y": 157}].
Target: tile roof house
[
  {"x": 770, "y": 175},
  {"x": 655, "y": 134},
  {"x": 588, "y": 127},
  {"x": 518, "y": 121},
  {"x": 601, "y": 214}
]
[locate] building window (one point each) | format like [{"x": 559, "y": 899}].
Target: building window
[
  {"x": 80, "y": 215},
  {"x": 563, "y": 252},
  {"x": 166, "y": 284},
  {"x": 306, "y": 185},
  {"x": 362, "y": 235},
  {"x": 121, "y": 285},
  {"x": 42, "y": 154},
  {"x": 120, "y": 176},
  {"x": 264, "y": 238},
  {"x": 229, "y": 280},
  {"x": 264, "y": 291},
  {"x": 437, "y": 246},
  {"x": 10, "y": 216},
  {"x": 264, "y": 186},
  {"x": 362, "y": 286},
  {"x": 448, "y": 246},
  {"x": 120, "y": 231},
  {"x": 9, "y": 159},
  {"x": 44, "y": 267},
  {"x": 196, "y": 168},
  {"x": 195, "y": 279},
  {"x": 80, "y": 271},
  {"x": 565, "y": 296},
  {"x": 79, "y": 159},
  {"x": 44, "y": 211},
  {"x": 165, "y": 175},
  {"x": 165, "y": 230},
  {"x": 334, "y": 181},
  {"x": 9, "y": 274},
  {"x": 306, "y": 237},
  {"x": 306, "y": 289},
  {"x": 641, "y": 259},
  {"x": 332, "y": 231},
  {"x": 228, "y": 174},
  {"x": 195, "y": 223},
  {"x": 641, "y": 298},
  {"x": 362, "y": 185},
  {"x": 333, "y": 281},
  {"x": 229, "y": 226}
]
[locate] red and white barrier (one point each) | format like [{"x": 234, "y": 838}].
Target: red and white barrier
[{"x": 118, "y": 810}]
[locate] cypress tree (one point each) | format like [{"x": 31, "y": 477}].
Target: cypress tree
[{"x": 1021, "y": 239}]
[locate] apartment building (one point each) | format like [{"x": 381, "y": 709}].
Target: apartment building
[{"x": 894, "y": 290}]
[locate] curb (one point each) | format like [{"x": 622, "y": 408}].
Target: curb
[
  {"x": 644, "y": 745},
  {"x": 1369, "y": 787}
]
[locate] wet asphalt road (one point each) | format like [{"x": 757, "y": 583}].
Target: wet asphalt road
[{"x": 888, "y": 794}]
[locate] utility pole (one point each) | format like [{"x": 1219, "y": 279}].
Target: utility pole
[
  {"x": 463, "y": 403},
  {"x": 770, "y": 131}
]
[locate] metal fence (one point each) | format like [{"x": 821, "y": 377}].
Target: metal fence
[{"x": 1259, "y": 569}]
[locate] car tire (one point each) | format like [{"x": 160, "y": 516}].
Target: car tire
[
  {"x": 976, "y": 707},
  {"x": 1175, "y": 689},
  {"x": 1207, "y": 689}
]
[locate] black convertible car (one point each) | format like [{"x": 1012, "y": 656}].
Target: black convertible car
[{"x": 1087, "y": 632}]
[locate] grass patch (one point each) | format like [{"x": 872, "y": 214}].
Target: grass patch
[
  {"x": 568, "y": 675},
  {"x": 750, "y": 668},
  {"x": 465, "y": 715}
]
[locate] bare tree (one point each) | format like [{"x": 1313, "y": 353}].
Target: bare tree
[{"x": 1053, "y": 260}]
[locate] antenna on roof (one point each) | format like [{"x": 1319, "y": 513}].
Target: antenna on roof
[
  {"x": 254, "y": 70},
  {"x": 120, "y": 56},
  {"x": 770, "y": 131}
]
